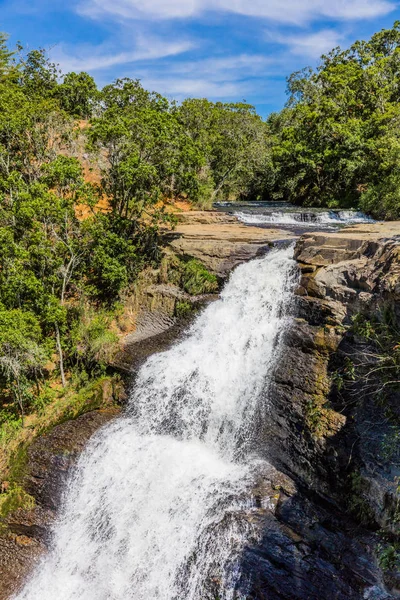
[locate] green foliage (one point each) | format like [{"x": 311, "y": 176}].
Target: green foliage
[
  {"x": 157, "y": 149},
  {"x": 51, "y": 263},
  {"x": 337, "y": 141},
  {"x": 10, "y": 424},
  {"x": 390, "y": 449},
  {"x": 196, "y": 279},
  {"x": 388, "y": 552},
  {"x": 356, "y": 500},
  {"x": 93, "y": 341},
  {"x": 16, "y": 498},
  {"x": 98, "y": 392},
  {"x": 191, "y": 275},
  {"x": 78, "y": 94},
  {"x": 183, "y": 309},
  {"x": 38, "y": 74},
  {"x": 141, "y": 139},
  {"x": 228, "y": 149},
  {"x": 21, "y": 354},
  {"x": 383, "y": 336}
]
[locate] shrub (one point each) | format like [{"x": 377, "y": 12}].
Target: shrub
[{"x": 196, "y": 279}]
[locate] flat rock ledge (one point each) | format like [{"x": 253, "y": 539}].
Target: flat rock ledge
[{"x": 220, "y": 241}]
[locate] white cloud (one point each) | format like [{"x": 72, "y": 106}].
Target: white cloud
[
  {"x": 94, "y": 58},
  {"x": 290, "y": 11},
  {"x": 196, "y": 87},
  {"x": 311, "y": 45},
  {"x": 229, "y": 77},
  {"x": 229, "y": 67}
]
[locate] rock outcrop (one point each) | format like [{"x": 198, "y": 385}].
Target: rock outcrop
[
  {"x": 329, "y": 443},
  {"x": 220, "y": 241}
]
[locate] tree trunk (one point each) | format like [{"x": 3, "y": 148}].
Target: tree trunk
[
  {"x": 20, "y": 403},
  {"x": 58, "y": 342}
]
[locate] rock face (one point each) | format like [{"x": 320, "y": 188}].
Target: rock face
[
  {"x": 157, "y": 326},
  {"x": 308, "y": 552},
  {"x": 329, "y": 445},
  {"x": 340, "y": 276},
  {"x": 219, "y": 241}
]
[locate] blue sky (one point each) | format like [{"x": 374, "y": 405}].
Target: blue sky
[{"x": 226, "y": 50}]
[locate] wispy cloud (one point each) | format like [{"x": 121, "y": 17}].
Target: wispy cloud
[
  {"x": 226, "y": 77},
  {"x": 292, "y": 11},
  {"x": 95, "y": 58},
  {"x": 310, "y": 45},
  {"x": 180, "y": 88},
  {"x": 228, "y": 67}
]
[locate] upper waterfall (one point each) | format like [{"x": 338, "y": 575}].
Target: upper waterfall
[{"x": 152, "y": 510}]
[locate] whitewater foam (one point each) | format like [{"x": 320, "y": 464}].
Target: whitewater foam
[{"x": 330, "y": 219}]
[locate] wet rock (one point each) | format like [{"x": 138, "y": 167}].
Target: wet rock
[
  {"x": 376, "y": 593},
  {"x": 306, "y": 551},
  {"x": 310, "y": 547},
  {"x": 18, "y": 556},
  {"x": 51, "y": 456}
]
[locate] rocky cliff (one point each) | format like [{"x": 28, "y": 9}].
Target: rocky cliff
[{"x": 326, "y": 537}]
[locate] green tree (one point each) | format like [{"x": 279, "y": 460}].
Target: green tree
[
  {"x": 229, "y": 147},
  {"x": 38, "y": 74},
  {"x": 335, "y": 144},
  {"x": 78, "y": 94},
  {"x": 22, "y": 355}
]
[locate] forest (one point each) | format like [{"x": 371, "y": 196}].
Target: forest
[{"x": 87, "y": 177}]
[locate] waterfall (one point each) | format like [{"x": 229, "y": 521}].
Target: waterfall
[{"x": 153, "y": 509}]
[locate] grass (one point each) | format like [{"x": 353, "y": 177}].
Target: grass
[
  {"x": 63, "y": 406},
  {"x": 190, "y": 275},
  {"x": 14, "y": 499}
]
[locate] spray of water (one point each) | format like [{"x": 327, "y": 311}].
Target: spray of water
[{"x": 153, "y": 510}]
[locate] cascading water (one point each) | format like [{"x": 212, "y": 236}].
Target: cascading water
[
  {"x": 153, "y": 510},
  {"x": 327, "y": 219}
]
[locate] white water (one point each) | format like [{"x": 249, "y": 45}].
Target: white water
[
  {"x": 152, "y": 511},
  {"x": 311, "y": 219}
]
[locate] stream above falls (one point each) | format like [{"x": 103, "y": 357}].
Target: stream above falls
[{"x": 287, "y": 216}]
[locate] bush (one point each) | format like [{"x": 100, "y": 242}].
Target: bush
[
  {"x": 183, "y": 309},
  {"x": 382, "y": 201},
  {"x": 196, "y": 279},
  {"x": 94, "y": 342},
  {"x": 16, "y": 498}
]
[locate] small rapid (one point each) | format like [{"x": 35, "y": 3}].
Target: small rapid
[
  {"x": 327, "y": 219},
  {"x": 153, "y": 509}
]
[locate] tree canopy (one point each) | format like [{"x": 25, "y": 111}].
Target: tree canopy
[{"x": 336, "y": 143}]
